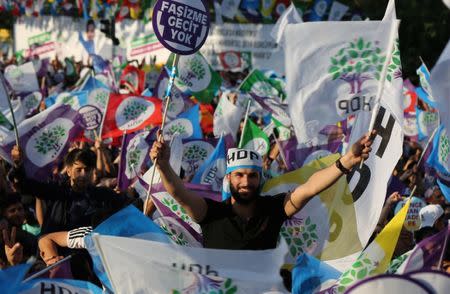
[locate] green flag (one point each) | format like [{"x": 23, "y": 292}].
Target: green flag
[
  {"x": 196, "y": 77},
  {"x": 257, "y": 83},
  {"x": 284, "y": 132},
  {"x": 254, "y": 138}
]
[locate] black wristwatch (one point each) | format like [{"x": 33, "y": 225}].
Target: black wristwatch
[{"x": 339, "y": 165}]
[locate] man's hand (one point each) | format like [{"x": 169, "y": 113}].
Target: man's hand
[
  {"x": 16, "y": 155},
  {"x": 13, "y": 250},
  {"x": 359, "y": 151},
  {"x": 160, "y": 151},
  {"x": 393, "y": 198}
]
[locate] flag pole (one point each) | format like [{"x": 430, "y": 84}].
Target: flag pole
[
  {"x": 383, "y": 79},
  {"x": 280, "y": 149},
  {"x": 166, "y": 107},
  {"x": 245, "y": 121},
  {"x": 16, "y": 132},
  {"x": 426, "y": 146},
  {"x": 40, "y": 273}
]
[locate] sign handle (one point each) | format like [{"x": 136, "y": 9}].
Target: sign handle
[{"x": 166, "y": 107}]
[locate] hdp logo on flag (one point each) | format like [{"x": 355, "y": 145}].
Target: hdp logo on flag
[
  {"x": 187, "y": 125},
  {"x": 424, "y": 91}
]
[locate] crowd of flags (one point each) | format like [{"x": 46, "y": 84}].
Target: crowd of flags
[{"x": 339, "y": 85}]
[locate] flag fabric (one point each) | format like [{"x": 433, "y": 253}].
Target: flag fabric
[
  {"x": 284, "y": 132},
  {"x": 375, "y": 259},
  {"x": 326, "y": 227},
  {"x": 439, "y": 157},
  {"x": 319, "y": 10},
  {"x": 440, "y": 76},
  {"x": 427, "y": 253},
  {"x": 128, "y": 222},
  {"x": 22, "y": 78},
  {"x": 337, "y": 11},
  {"x": 289, "y": 16},
  {"x": 445, "y": 189},
  {"x": 309, "y": 274},
  {"x": 258, "y": 84},
  {"x": 187, "y": 125},
  {"x": 427, "y": 122},
  {"x": 128, "y": 262},
  {"x": 277, "y": 110},
  {"x": 195, "y": 152},
  {"x": 409, "y": 96},
  {"x": 212, "y": 171},
  {"x": 254, "y": 139},
  {"x": 227, "y": 117},
  {"x": 128, "y": 113},
  {"x": 11, "y": 278},
  {"x": 45, "y": 139},
  {"x": 134, "y": 156},
  {"x": 31, "y": 103},
  {"x": 425, "y": 92},
  {"x": 133, "y": 79},
  {"x": 179, "y": 102},
  {"x": 37, "y": 286},
  {"x": 196, "y": 77},
  {"x": 340, "y": 72}
]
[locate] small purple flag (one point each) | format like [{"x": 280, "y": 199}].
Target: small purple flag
[{"x": 134, "y": 156}]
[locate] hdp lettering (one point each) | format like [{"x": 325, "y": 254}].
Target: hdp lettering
[{"x": 355, "y": 104}]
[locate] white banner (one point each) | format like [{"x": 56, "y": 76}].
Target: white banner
[
  {"x": 252, "y": 38},
  {"x": 140, "y": 266}
]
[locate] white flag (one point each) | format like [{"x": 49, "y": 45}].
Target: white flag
[
  {"x": 227, "y": 117},
  {"x": 289, "y": 16},
  {"x": 334, "y": 70},
  {"x": 22, "y": 78},
  {"x": 141, "y": 266}
]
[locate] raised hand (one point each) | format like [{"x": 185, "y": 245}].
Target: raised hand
[{"x": 13, "y": 249}]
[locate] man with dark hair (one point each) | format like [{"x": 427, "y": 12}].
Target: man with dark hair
[
  {"x": 16, "y": 245},
  {"x": 76, "y": 203}
]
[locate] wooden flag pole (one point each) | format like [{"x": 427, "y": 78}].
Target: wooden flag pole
[{"x": 166, "y": 107}]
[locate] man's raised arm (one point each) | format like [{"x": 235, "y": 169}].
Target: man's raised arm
[
  {"x": 195, "y": 206},
  {"x": 323, "y": 179}
]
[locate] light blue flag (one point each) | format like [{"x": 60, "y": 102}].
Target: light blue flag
[
  {"x": 319, "y": 9},
  {"x": 128, "y": 222},
  {"x": 440, "y": 155},
  {"x": 59, "y": 286},
  {"x": 444, "y": 189},
  {"x": 11, "y": 278},
  {"x": 310, "y": 273},
  {"x": 147, "y": 93},
  {"x": 74, "y": 99},
  {"x": 92, "y": 84},
  {"x": 213, "y": 169},
  {"x": 427, "y": 122},
  {"x": 424, "y": 91},
  {"x": 187, "y": 125}
]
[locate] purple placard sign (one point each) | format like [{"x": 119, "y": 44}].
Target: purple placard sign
[{"x": 182, "y": 26}]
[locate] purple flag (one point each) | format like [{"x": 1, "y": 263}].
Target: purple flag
[
  {"x": 134, "y": 156},
  {"x": 271, "y": 105},
  {"x": 296, "y": 158},
  {"x": 427, "y": 254},
  {"x": 45, "y": 138}
]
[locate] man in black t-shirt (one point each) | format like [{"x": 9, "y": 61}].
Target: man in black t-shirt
[{"x": 250, "y": 221}]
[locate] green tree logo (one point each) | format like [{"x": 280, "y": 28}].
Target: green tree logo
[
  {"x": 300, "y": 236},
  {"x": 195, "y": 70},
  {"x": 31, "y": 102},
  {"x": 394, "y": 70},
  {"x": 101, "y": 97},
  {"x": 69, "y": 100},
  {"x": 356, "y": 63},
  {"x": 178, "y": 238},
  {"x": 444, "y": 147},
  {"x": 177, "y": 128},
  {"x": 177, "y": 209},
  {"x": 361, "y": 269},
  {"x": 133, "y": 159},
  {"x": 133, "y": 110},
  {"x": 193, "y": 156},
  {"x": 49, "y": 140}
]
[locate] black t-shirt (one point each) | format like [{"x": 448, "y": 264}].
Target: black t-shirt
[{"x": 223, "y": 229}]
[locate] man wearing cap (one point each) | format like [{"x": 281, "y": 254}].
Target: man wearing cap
[{"x": 249, "y": 221}]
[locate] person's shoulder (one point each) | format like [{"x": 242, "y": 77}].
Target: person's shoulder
[{"x": 274, "y": 198}]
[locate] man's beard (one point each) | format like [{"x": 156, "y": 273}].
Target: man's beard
[{"x": 240, "y": 199}]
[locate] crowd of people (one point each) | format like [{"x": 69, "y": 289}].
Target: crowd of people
[{"x": 44, "y": 221}]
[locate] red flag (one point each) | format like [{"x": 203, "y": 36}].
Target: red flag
[
  {"x": 128, "y": 113},
  {"x": 133, "y": 79}
]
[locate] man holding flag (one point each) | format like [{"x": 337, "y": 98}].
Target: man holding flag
[{"x": 250, "y": 221}]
